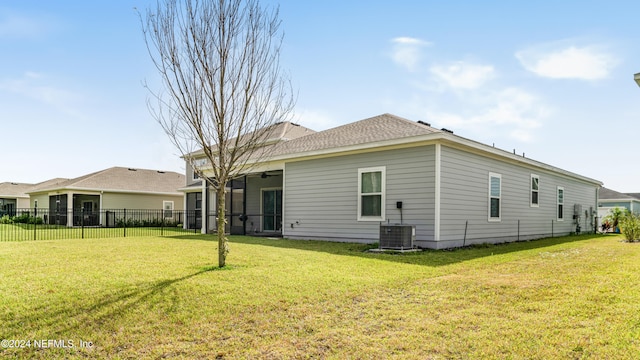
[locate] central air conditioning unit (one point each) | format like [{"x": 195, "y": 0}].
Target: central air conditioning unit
[{"x": 397, "y": 236}]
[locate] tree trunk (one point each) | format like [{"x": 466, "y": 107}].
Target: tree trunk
[{"x": 223, "y": 248}]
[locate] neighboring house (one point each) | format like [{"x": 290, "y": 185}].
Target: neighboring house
[
  {"x": 113, "y": 188},
  {"x": 13, "y": 197},
  {"x": 341, "y": 184},
  {"x": 609, "y": 199}
]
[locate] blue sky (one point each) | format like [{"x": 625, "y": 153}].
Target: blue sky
[{"x": 551, "y": 79}]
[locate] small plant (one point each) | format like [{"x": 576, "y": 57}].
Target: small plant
[
  {"x": 6, "y": 219},
  {"x": 630, "y": 226}
]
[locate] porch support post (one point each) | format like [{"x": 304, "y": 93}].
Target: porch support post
[
  {"x": 244, "y": 206},
  {"x": 70, "y": 209},
  {"x": 204, "y": 207}
]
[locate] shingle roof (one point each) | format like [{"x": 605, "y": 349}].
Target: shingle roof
[
  {"x": 121, "y": 179},
  {"x": 279, "y": 132},
  {"x": 378, "y": 128},
  {"x": 635, "y": 195},
  {"x": 11, "y": 189},
  {"x": 608, "y": 194}
]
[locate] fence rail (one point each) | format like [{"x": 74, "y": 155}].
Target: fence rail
[{"x": 48, "y": 224}]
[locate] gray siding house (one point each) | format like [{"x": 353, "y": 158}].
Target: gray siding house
[{"x": 341, "y": 184}]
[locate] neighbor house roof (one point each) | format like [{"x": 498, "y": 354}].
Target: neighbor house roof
[
  {"x": 608, "y": 194},
  {"x": 120, "y": 179},
  {"x": 14, "y": 190}
]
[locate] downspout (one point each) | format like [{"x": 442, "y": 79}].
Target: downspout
[{"x": 436, "y": 220}]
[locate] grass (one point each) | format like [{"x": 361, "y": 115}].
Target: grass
[{"x": 151, "y": 297}]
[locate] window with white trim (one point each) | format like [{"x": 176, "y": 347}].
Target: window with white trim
[
  {"x": 560, "y": 203},
  {"x": 167, "y": 207},
  {"x": 198, "y": 164},
  {"x": 495, "y": 196},
  {"x": 371, "y": 194},
  {"x": 535, "y": 188}
]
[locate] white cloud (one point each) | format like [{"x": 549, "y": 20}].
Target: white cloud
[
  {"x": 33, "y": 85},
  {"x": 407, "y": 52},
  {"x": 562, "y": 61},
  {"x": 461, "y": 75},
  {"x": 19, "y": 26},
  {"x": 510, "y": 112}
]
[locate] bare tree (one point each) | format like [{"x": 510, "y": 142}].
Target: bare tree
[{"x": 222, "y": 86}]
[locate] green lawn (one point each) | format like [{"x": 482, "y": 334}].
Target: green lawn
[{"x": 151, "y": 297}]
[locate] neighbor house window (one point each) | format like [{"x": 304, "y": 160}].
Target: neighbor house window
[
  {"x": 560, "y": 203},
  {"x": 167, "y": 207},
  {"x": 198, "y": 164},
  {"x": 371, "y": 194},
  {"x": 495, "y": 196},
  {"x": 535, "y": 188}
]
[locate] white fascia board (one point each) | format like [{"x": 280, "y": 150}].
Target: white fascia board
[
  {"x": 277, "y": 162},
  {"x": 503, "y": 154},
  {"x": 442, "y": 137}
]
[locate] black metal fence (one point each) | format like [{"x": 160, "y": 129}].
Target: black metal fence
[{"x": 47, "y": 224}]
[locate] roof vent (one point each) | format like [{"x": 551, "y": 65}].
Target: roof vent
[
  {"x": 423, "y": 123},
  {"x": 160, "y": 172},
  {"x": 132, "y": 169},
  {"x": 447, "y": 130}
]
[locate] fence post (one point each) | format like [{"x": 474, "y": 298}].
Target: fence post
[
  {"x": 518, "y": 229},
  {"x": 162, "y": 222},
  {"x": 552, "y": 235},
  {"x": 124, "y": 227}
]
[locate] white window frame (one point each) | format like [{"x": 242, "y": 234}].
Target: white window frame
[
  {"x": 197, "y": 163},
  {"x": 165, "y": 210},
  {"x": 383, "y": 185},
  {"x": 560, "y": 214},
  {"x": 532, "y": 190},
  {"x": 490, "y": 197}
]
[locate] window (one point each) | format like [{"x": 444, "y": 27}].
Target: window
[
  {"x": 535, "y": 187},
  {"x": 199, "y": 164},
  {"x": 167, "y": 207},
  {"x": 495, "y": 195},
  {"x": 371, "y": 194},
  {"x": 560, "y": 203}
]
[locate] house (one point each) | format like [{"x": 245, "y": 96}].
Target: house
[
  {"x": 343, "y": 183},
  {"x": 86, "y": 200},
  {"x": 609, "y": 199},
  {"x": 13, "y": 197}
]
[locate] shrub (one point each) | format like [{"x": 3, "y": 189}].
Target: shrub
[
  {"x": 630, "y": 226},
  {"x": 6, "y": 219}
]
